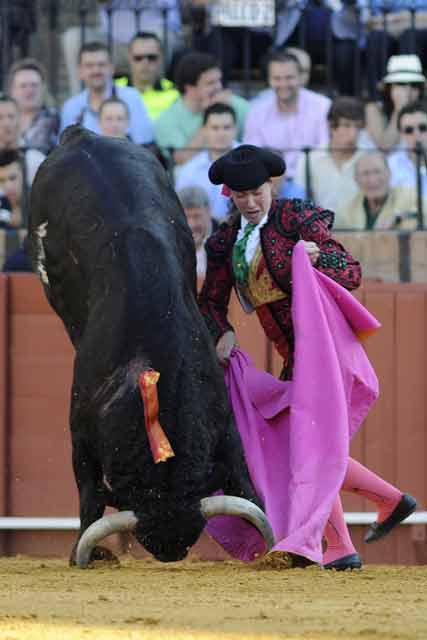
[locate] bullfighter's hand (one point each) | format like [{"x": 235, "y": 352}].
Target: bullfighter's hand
[
  {"x": 225, "y": 346},
  {"x": 312, "y": 251}
]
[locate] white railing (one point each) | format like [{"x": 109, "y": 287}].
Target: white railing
[{"x": 73, "y": 524}]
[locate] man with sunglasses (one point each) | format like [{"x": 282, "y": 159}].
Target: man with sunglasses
[
  {"x": 412, "y": 126},
  {"x": 146, "y": 59}
]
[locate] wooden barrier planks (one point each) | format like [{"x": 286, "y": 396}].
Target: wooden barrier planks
[
  {"x": 41, "y": 358},
  {"x": 4, "y": 409},
  {"x": 378, "y": 252},
  {"x": 411, "y": 414},
  {"x": 393, "y": 441}
]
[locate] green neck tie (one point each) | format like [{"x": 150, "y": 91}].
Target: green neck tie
[{"x": 240, "y": 266}]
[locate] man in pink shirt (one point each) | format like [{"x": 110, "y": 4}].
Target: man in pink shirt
[{"x": 289, "y": 116}]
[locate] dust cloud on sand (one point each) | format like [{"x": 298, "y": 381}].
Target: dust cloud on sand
[{"x": 145, "y": 600}]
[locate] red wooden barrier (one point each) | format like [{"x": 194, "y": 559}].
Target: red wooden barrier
[
  {"x": 36, "y": 362},
  {"x": 3, "y": 406},
  {"x": 41, "y": 479}
]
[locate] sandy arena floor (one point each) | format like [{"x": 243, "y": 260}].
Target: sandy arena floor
[{"x": 144, "y": 600}]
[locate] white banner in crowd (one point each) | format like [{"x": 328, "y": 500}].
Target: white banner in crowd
[{"x": 243, "y": 13}]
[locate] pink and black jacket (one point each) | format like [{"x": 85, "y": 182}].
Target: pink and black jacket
[{"x": 288, "y": 222}]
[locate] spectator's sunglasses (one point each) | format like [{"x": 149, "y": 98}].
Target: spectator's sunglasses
[
  {"x": 422, "y": 128},
  {"x": 151, "y": 57}
]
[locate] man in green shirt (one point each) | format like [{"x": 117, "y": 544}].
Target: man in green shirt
[
  {"x": 180, "y": 128},
  {"x": 146, "y": 65}
]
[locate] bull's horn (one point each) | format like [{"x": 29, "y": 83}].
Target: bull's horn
[
  {"x": 233, "y": 506},
  {"x": 113, "y": 523}
]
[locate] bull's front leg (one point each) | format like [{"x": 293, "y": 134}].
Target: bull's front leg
[{"x": 88, "y": 473}]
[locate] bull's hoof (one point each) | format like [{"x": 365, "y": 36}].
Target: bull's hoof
[
  {"x": 100, "y": 556},
  {"x": 280, "y": 560}
]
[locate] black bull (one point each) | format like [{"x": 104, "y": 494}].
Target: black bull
[{"x": 116, "y": 257}]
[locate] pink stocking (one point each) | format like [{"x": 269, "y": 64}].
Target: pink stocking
[
  {"x": 364, "y": 482},
  {"x": 337, "y": 535}
]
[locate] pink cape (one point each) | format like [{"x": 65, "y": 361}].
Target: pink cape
[{"x": 296, "y": 434}]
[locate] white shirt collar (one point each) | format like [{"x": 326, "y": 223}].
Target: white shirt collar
[
  {"x": 254, "y": 238},
  {"x": 245, "y": 222}
]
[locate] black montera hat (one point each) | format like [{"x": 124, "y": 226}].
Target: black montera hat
[{"x": 246, "y": 167}]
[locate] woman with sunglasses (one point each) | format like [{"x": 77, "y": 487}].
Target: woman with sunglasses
[
  {"x": 252, "y": 252},
  {"x": 404, "y": 83}
]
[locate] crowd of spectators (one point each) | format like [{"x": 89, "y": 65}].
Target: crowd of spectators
[{"x": 363, "y": 158}]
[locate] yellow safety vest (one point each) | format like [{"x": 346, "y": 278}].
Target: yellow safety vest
[{"x": 156, "y": 99}]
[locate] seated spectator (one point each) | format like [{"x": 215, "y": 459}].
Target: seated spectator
[
  {"x": 114, "y": 118},
  {"x": 331, "y": 171},
  {"x": 291, "y": 117},
  {"x": 18, "y": 24},
  {"x": 412, "y": 126},
  {"x": 377, "y": 205},
  {"x": 127, "y": 17},
  {"x": 306, "y": 21},
  {"x": 227, "y": 44},
  {"x": 403, "y": 84},
  {"x": 389, "y": 29},
  {"x": 305, "y": 66},
  {"x": 310, "y": 23},
  {"x": 10, "y": 137},
  {"x": 146, "y": 62},
  {"x": 19, "y": 261},
  {"x": 39, "y": 124},
  {"x": 12, "y": 185},
  {"x": 199, "y": 81},
  {"x": 195, "y": 202},
  {"x": 219, "y": 122},
  {"x": 96, "y": 71}
]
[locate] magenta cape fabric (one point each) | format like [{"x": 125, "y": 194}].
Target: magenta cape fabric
[{"x": 296, "y": 434}]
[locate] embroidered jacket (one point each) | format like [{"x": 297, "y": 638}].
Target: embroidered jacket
[{"x": 288, "y": 222}]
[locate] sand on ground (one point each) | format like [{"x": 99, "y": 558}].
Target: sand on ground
[{"x": 146, "y": 600}]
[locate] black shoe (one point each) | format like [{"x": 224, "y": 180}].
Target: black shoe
[
  {"x": 352, "y": 561},
  {"x": 378, "y": 530}
]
